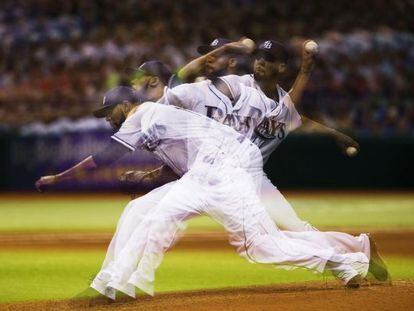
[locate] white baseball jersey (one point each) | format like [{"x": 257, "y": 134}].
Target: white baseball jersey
[
  {"x": 270, "y": 133},
  {"x": 252, "y": 113},
  {"x": 203, "y": 97},
  {"x": 178, "y": 137}
]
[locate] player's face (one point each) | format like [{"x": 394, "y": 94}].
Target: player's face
[
  {"x": 216, "y": 66},
  {"x": 148, "y": 90},
  {"x": 115, "y": 117},
  {"x": 140, "y": 83},
  {"x": 266, "y": 67}
]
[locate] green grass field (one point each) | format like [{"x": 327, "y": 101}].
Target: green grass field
[
  {"x": 45, "y": 274},
  {"x": 324, "y": 210}
]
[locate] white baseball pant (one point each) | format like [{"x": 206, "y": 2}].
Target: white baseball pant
[
  {"x": 230, "y": 198},
  {"x": 278, "y": 208}
]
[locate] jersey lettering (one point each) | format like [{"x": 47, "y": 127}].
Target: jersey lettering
[
  {"x": 271, "y": 129},
  {"x": 210, "y": 111},
  {"x": 241, "y": 124},
  {"x": 282, "y": 134}
]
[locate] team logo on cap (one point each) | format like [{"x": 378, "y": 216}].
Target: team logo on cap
[
  {"x": 267, "y": 45},
  {"x": 215, "y": 42}
]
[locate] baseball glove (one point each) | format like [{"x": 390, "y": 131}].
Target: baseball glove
[{"x": 134, "y": 182}]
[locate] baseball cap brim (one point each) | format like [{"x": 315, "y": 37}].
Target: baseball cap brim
[
  {"x": 270, "y": 57},
  {"x": 259, "y": 50},
  {"x": 117, "y": 95},
  {"x": 204, "y": 49},
  {"x": 102, "y": 112}
]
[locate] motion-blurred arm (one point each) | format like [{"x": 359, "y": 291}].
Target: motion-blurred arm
[
  {"x": 112, "y": 152},
  {"x": 195, "y": 68},
  {"x": 302, "y": 78},
  {"x": 341, "y": 139}
]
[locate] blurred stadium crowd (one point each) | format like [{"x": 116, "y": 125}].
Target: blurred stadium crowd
[{"x": 59, "y": 57}]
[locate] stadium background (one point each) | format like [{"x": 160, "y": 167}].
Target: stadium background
[{"x": 57, "y": 58}]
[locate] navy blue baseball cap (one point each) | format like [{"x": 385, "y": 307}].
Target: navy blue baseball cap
[
  {"x": 215, "y": 44},
  {"x": 151, "y": 68},
  {"x": 115, "y": 96},
  {"x": 272, "y": 51}
]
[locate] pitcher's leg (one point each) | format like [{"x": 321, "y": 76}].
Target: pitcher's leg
[
  {"x": 285, "y": 218},
  {"x": 147, "y": 242},
  {"x": 280, "y": 210},
  {"x": 340, "y": 241},
  {"x": 257, "y": 239},
  {"x": 177, "y": 206},
  {"x": 133, "y": 214},
  {"x": 308, "y": 253}
]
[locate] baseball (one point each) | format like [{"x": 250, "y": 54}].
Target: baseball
[
  {"x": 351, "y": 151},
  {"x": 249, "y": 43},
  {"x": 311, "y": 47}
]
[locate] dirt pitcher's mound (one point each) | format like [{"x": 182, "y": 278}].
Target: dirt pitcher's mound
[{"x": 307, "y": 297}]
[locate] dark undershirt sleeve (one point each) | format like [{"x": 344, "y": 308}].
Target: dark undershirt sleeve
[{"x": 111, "y": 153}]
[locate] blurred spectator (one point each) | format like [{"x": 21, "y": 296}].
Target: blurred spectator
[{"x": 58, "y": 57}]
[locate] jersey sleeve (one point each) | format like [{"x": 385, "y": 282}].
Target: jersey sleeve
[
  {"x": 179, "y": 96},
  {"x": 293, "y": 118},
  {"x": 286, "y": 113},
  {"x": 130, "y": 133},
  {"x": 233, "y": 83}
]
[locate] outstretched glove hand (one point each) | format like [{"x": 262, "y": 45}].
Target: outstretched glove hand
[{"x": 45, "y": 182}]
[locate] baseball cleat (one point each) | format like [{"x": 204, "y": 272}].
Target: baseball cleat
[
  {"x": 377, "y": 266},
  {"x": 353, "y": 283}
]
